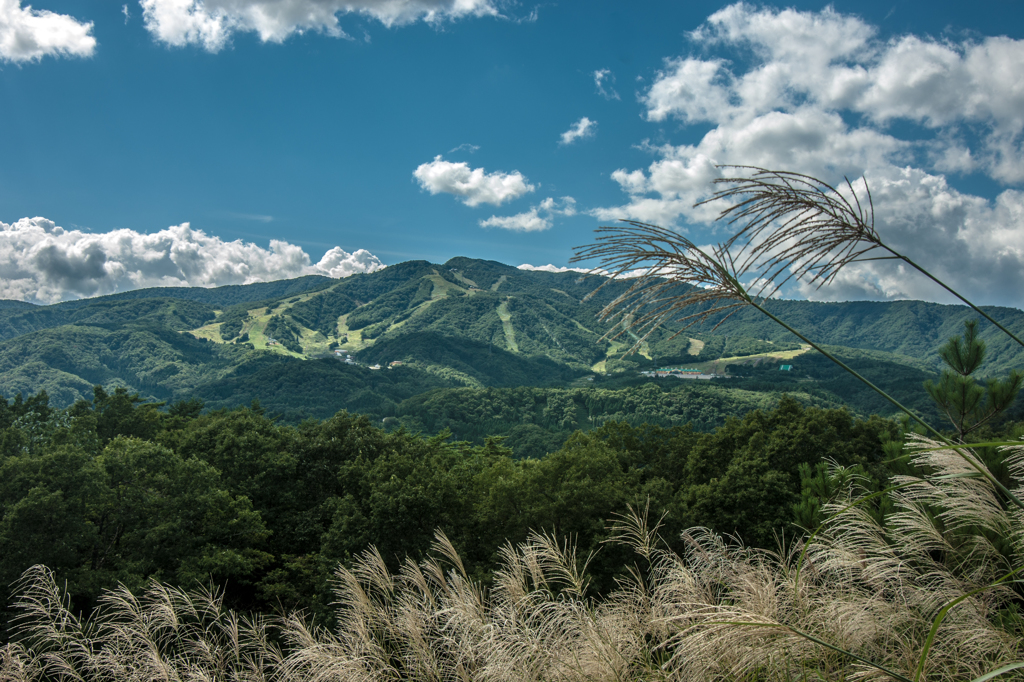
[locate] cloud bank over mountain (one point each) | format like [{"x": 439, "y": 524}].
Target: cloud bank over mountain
[{"x": 44, "y": 263}]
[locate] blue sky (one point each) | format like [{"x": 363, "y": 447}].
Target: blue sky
[{"x": 174, "y": 142}]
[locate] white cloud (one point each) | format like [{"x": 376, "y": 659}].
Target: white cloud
[
  {"x": 473, "y": 185},
  {"x": 633, "y": 182},
  {"x": 973, "y": 244},
  {"x": 811, "y": 39},
  {"x": 44, "y": 263},
  {"x": 211, "y": 23},
  {"x": 580, "y": 129},
  {"x": 550, "y": 268},
  {"x": 691, "y": 89},
  {"x": 817, "y": 93},
  {"x": 530, "y": 221},
  {"x": 601, "y": 78},
  {"x": 339, "y": 263},
  {"x": 629, "y": 274},
  {"x": 465, "y": 147},
  {"x": 832, "y": 62},
  {"x": 539, "y": 217},
  {"x": 28, "y": 34}
]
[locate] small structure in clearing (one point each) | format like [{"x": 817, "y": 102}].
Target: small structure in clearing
[{"x": 678, "y": 373}]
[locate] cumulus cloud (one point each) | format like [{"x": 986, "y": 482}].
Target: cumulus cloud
[
  {"x": 474, "y": 186},
  {"x": 211, "y": 23},
  {"x": 817, "y": 93},
  {"x": 691, "y": 89},
  {"x": 44, "y": 263},
  {"x": 338, "y": 263},
  {"x": 603, "y": 79},
  {"x": 28, "y": 34},
  {"x": 580, "y": 129},
  {"x": 538, "y": 218}
]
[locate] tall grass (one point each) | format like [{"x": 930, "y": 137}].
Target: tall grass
[
  {"x": 860, "y": 601},
  {"x": 163, "y": 634}
]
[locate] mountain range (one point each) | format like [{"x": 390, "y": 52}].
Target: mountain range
[{"x": 469, "y": 328}]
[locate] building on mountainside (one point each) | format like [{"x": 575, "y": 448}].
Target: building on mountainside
[
  {"x": 377, "y": 366},
  {"x": 786, "y": 368},
  {"x": 394, "y": 363},
  {"x": 675, "y": 371},
  {"x": 344, "y": 356},
  {"x": 680, "y": 373}
]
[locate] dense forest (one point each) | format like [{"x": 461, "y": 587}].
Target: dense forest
[{"x": 119, "y": 491}]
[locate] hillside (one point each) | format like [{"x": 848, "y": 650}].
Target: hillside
[
  {"x": 7, "y": 304},
  {"x": 913, "y": 329},
  {"x": 463, "y": 325}
]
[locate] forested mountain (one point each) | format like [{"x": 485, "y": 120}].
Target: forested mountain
[
  {"x": 463, "y": 330},
  {"x": 7, "y": 304},
  {"x": 19, "y": 317}
]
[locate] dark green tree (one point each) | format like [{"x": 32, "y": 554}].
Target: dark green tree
[
  {"x": 967, "y": 403},
  {"x": 124, "y": 414}
]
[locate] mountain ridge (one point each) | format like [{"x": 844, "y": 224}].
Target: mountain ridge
[{"x": 465, "y": 323}]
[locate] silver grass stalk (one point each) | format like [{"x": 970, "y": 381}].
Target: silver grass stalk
[
  {"x": 797, "y": 226},
  {"x": 163, "y": 634},
  {"x": 672, "y": 279}
]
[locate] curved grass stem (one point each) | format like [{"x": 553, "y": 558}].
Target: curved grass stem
[
  {"x": 941, "y": 616},
  {"x": 945, "y": 286}
]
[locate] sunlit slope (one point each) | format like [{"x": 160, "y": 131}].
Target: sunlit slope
[
  {"x": 533, "y": 315},
  {"x": 17, "y": 318}
]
